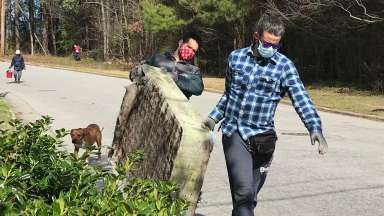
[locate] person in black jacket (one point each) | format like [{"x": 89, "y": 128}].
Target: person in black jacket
[
  {"x": 18, "y": 66},
  {"x": 179, "y": 65}
]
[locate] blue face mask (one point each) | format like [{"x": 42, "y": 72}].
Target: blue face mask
[{"x": 266, "y": 52}]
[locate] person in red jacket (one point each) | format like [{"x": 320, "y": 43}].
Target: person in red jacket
[{"x": 76, "y": 52}]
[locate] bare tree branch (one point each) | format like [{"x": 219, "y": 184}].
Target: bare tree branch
[
  {"x": 360, "y": 3},
  {"x": 348, "y": 10}
]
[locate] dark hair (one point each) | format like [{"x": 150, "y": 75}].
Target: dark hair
[
  {"x": 270, "y": 23},
  {"x": 191, "y": 35}
]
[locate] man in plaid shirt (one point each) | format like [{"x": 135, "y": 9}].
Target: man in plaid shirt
[{"x": 257, "y": 78}]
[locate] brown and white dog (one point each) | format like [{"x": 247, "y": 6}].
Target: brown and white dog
[{"x": 87, "y": 136}]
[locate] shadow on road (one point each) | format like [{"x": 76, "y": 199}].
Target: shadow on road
[
  {"x": 305, "y": 195},
  {"x": 313, "y": 181},
  {"x": 322, "y": 194}
]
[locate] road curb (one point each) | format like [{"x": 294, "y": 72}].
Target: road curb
[
  {"x": 73, "y": 70},
  {"x": 324, "y": 109},
  {"x": 20, "y": 109}
]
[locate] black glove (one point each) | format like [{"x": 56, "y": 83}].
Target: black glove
[
  {"x": 208, "y": 123},
  {"x": 318, "y": 137}
]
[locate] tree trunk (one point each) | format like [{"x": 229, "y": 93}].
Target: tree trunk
[
  {"x": 2, "y": 27},
  {"x": 45, "y": 20},
  {"x": 17, "y": 24},
  {"x": 86, "y": 36},
  {"x": 108, "y": 25},
  {"x": 52, "y": 31},
  {"x": 105, "y": 30},
  {"x": 122, "y": 26},
  {"x": 31, "y": 24},
  {"x": 176, "y": 148},
  {"x": 41, "y": 45}
]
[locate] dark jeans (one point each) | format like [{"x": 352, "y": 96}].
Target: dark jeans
[
  {"x": 247, "y": 172},
  {"x": 17, "y": 74}
]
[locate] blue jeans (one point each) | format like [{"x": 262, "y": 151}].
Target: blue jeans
[
  {"x": 17, "y": 74},
  {"x": 247, "y": 172}
]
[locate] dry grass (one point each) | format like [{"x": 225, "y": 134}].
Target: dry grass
[
  {"x": 352, "y": 101},
  {"x": 214, "y": 84},
  {"x": 341, "y": 99}
]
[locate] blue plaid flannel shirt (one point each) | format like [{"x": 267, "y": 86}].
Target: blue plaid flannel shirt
[{"x": 252, "y": 92}]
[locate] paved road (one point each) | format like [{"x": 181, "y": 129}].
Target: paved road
[{"x": 348, "y": 181}]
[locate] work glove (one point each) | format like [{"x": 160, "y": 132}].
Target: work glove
[
  {"x": 318, "y": 137},
  {"x": 208, "y": 123}
]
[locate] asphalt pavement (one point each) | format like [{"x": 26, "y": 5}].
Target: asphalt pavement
[{"x": 348, "y": 180}]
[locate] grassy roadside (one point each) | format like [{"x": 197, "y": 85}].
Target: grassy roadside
[
  {"x": 5, "y": 114},
  {"x": 339, "y": 99},
  {"x": 86, "y": 65}
]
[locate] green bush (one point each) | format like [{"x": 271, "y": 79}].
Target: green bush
[{"x": 38, "y": 179}]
